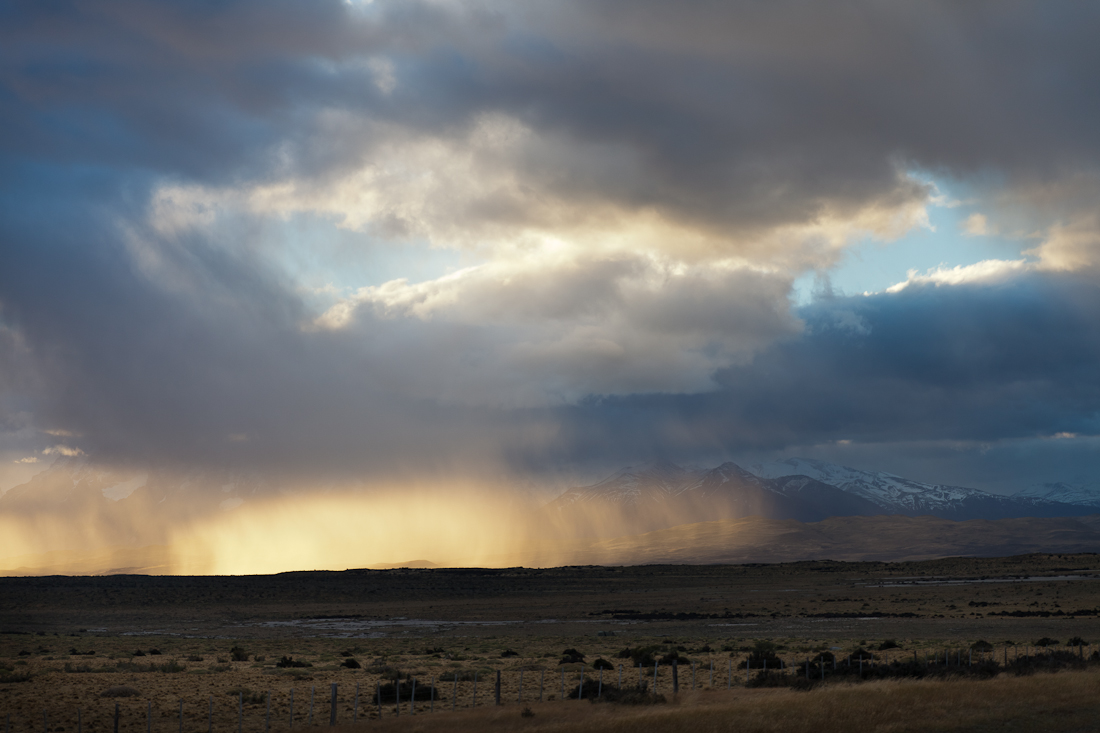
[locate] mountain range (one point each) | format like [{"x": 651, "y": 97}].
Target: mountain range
[
  {"x": 659, "y": 512},
  {"x": 661, "y": 495}
]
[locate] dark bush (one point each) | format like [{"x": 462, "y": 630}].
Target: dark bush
[
  {"x": 138, "y": 653},
  {"x": 1077, "y": 641},
  {"x": 675, "y": 656},
  {"x": 351, "y": 664},
  {"x": 643, "y": 655},
  {"x": 888, "y": 644},
  {"x": 981, "y": 645},
  {"x": 763, "y": 655},
  {"x": 1046, "y": 641},
  {"x": 571, "y": 656},
  {"x": 390, "y": 689},
  {"x": 639, "y": 695},
  {"x": 238, "y": 654},
  {"x": 286, "y": 662},
  {"x": 509, "y": 653},
  {"x": 154, "y": 652},
  {"x": 602, "y": 664},
  {"x": 247, "y": 696}
]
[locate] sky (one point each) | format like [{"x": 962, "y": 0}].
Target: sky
[{"x": 462, "y": 239}]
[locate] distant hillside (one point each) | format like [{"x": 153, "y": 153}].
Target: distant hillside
[
  {"x": 881, "y": 538},
  {"x": 664, "y": 495}
]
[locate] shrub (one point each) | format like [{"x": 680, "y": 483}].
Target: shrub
[
  {"x": 287, "y": 662},
  {"x": 571, "y": 656},
  {"x": 10, "y": 676},
  {"x": 247, "y": 696},
  {"x": 138, "y": 653},
  {"x": 1046, "y": 641},
  {"x": 351, "y": 664},
  {"x": 643, "y": 655},
  {"x": 509, "y": 653},
  {"x": 154, "y": 652},
  {"x": 625, "y": 696},
  {"x": 238, "y": 654},
  {"x": 602, "y": 664},
  {"x": 888, "y": 644},
  {"x": 390, "y": 689},
  {"x": 1077, "y": 641},
  {"x": 194, "y": 658},
  {"x": 527, "y": 712},
  {"x": 674, "y": 656},
  {"x": 981, "y": 645}
]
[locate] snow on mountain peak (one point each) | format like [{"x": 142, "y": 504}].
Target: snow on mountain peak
[{"x": 883, "y": 489}]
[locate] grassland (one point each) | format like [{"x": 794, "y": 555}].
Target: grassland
[{"x": 68, "y": 640}]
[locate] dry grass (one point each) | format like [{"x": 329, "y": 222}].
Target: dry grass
[{"x": 1055, "y": 703}]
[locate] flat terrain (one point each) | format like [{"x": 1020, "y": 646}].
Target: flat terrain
[{"x": 67, "y": 640}]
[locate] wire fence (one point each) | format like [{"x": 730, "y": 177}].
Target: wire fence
[{"x": 374, "y": 697}]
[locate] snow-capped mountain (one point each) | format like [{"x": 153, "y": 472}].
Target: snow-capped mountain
[
  {"x": 897, "y": 495},
  {"x": 663, "y": 495},
  {"x": 1079, "y": 494}
]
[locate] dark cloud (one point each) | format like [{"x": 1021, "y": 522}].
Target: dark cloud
[
  {"x": 966, "y": 363},
  {"x": 735, "y": 120}
]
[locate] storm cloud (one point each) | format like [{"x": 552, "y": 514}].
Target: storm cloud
[{"x": 209, "y": 211}]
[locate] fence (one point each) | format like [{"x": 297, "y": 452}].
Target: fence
[{"x": 373, "y": 697}]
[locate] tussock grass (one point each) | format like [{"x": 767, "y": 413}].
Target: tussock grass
[{"x": 1067, "y": 701}]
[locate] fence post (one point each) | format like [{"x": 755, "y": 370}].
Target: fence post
[
  {"x": 431, "y": 705},
  {"x": 79, "y": 722},
  {"x": 454, "y": 694},
  {"x": 267, "y": 715},
  {"x": 475, "y": 689},
  {"x": 620, "y": 676},
  {"x": 332, "y": 708},
  {"x": 654, "y": 677},
  {"x": 378, "y": 689},
  {"x": 520, "y": 698},
  {"x": 312, "y": 690},
  {"x": 397, "y": 696},
  {"x": 599, "y": 690},
  {"x": 291, "y": 707},
  {"x": 729, "y": 674},
  {"x": 675, "y": 677},
  {"x": 711, "y": 683},
  {"x": 355, "y": 710},
  {"x": 496, "y": 689},
  {"x": 116, "y": 713},
  {"x": 412, "y": 699},
  {"x": 693, "y": 676},
  {"x": 580, "y": 687},
  {"x": 149, "y": 716},
  {"x": 542, "y": 678},
  {"x": 823, "y": 666},
  {"x": 46, "y": 722},
  {"x": 209, "y": 719},
  {"x": 563, "y": 683},
  {"x": 240, "y": 712}
]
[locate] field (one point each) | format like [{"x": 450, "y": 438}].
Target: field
[{"x": 218, "y": 648}]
